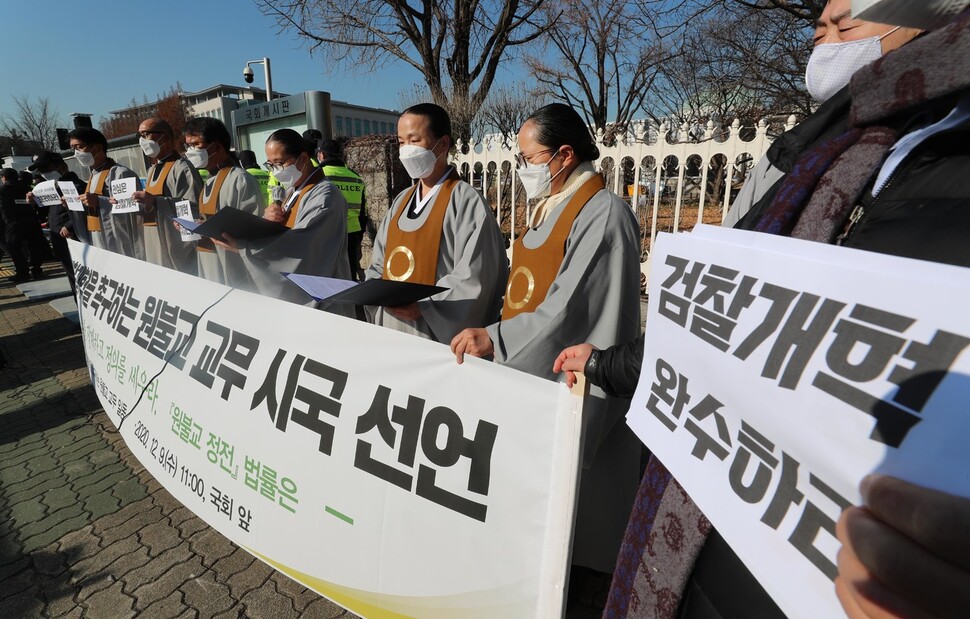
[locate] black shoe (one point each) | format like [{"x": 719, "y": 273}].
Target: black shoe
[
  {"x": 18, "y": 279},
  {"x": 39, "y": 274}
]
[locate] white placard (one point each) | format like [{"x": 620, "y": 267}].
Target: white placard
[
  {"x": 45, "y": 193},
  {"x": 122, "y": 190},
  {"x": 360, "y": 461},
  {"x": 778, "y": 373},
  {"x": 183, "y": 210},
  {"x": 71, "y": 195}
]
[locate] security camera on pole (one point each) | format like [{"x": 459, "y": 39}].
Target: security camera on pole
[{"x": 248, "y": 75}]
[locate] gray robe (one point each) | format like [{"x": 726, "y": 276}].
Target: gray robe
[
  {"x": 182, "y": 183},
  {"x": 316, "y": 245},
  {"x": 595, "y": 298},
  {"x": 472, "y": 264},
  {"x": 242, "y": 191},
  {"x": 124, "y": 233},
  {"x": 105, "y": 238}
]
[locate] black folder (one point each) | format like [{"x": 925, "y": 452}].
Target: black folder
[
  {"x": 383, "y": 292},
  {"x": 237, "y": 224}
]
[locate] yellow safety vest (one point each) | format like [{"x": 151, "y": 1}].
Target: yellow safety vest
[{"x": 352, "y": 186}]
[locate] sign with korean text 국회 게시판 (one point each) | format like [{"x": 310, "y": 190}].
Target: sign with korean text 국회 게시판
[
  {"x": 777, "y": 373},
  {"x": 362, "y": 462}
]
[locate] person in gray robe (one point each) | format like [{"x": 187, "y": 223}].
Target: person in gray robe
[
  {"x": 208, "y": 146},
  {"x": 105, "y": 230},
  {"x": 471, "y": 261},
  {"x": 592, "y": 294},
  {"x": 171, "y": 179},
  {"x": 315, "y": 212}
]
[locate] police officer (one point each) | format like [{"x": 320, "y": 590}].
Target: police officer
[
  {"x": 330, "y": 156},
  {"x": 247, "y": 159}
]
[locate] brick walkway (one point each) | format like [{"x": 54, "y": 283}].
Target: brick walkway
[{"x": 85, "y": 531}]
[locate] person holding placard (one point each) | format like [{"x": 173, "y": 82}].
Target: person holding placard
[
  {"x": 884, "y": 184},
  {"x": 843, "y": 45},
  {"x": 61, "y": 221},
  {"x": 438, "y": 232},
  {"x": 575, "y": 273},
  {"x": 170, "y": 179},
  {"x": 118, "y": 234},
  {"x": 208, "y": 146}
]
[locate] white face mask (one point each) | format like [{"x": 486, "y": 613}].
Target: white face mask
[
  {"x": 832, "y": 65},
  {"x": 417, "y": 160},
  {"x": 287, "y": 175},
  {"x": 84, "y": 158},
  {"x": 923, "y": 14},
  {"x": 149, "y": 147},
  {"x": 537, "y": 179},
  {"x": 51, "y": 176},
  {"x": 198, "y": 157}
]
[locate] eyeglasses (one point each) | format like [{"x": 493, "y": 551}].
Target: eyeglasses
[
  {"x": 522, "y": 160},
  {"x": 148, "y": 134}
]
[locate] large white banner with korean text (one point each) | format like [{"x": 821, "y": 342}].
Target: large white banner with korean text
[
  {"x": 362, "y": 462},
  {"x": 778, "y": 373}
]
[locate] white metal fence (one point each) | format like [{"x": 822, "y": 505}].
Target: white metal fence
[{"x": 671, "y": 177}]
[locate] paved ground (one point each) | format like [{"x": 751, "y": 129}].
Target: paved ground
[{"x": 84, "y": 530}]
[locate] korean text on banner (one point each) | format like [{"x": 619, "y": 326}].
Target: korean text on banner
[
  {"x": 778, "y": 373},
  {"x": 359, "y": 461}
]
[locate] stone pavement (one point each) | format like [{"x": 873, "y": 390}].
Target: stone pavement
[{"x": 85, "y": 531}]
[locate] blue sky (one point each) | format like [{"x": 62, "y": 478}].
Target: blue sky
[{"x": 95, "y": 56}]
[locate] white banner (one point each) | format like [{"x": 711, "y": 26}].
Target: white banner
[
  {"x": 778, "y": 373},
  {"x": 362, "y": 462}
]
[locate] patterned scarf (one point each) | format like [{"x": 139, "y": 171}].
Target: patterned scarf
[{"x": 667, "y": 531}]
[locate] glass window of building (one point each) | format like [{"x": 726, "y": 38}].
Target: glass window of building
[
  {"x": 340, "y": 125},
  {"x": 366, "y": 127},
  {"x": 357, "y": 131}
]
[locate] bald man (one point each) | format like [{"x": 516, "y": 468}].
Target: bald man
[{"x": 171, "y": 178}]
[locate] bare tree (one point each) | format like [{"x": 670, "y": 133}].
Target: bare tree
[
  {"x": 169, "y": 106},
  {"x": 32, "y": 122},
  {"x": 804, "y": 10},
  {"x": 735, "y": 62},
  {"x": 602, "y": 58},
  {"x": 457, "y": 45},
  {"x": 506, "y": 109}
]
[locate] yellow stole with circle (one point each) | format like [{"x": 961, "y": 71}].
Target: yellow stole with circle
[
  {"x": 209, "y": 205},
  {"x": 413, "y": 256},
  {"x": 533, "y": 270},
  {"x": 96, "y": 186},
  {"x": 156, "y": 187}
]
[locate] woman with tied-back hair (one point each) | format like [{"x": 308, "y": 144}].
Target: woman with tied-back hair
[{"x": 575, "y": 273}]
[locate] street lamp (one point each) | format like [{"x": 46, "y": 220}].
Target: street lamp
[{"x": 248, "y": 75}]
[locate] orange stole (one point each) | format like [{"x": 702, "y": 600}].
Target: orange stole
[
  {"x": 294, "y": 210},
  {"x": 533, "y": 270},
  {"x": 94, "y": 222},
  {"x": 156, "y": 187},
  {"x": 209, "y": 206},
  {"x": 413, "y": 256}
]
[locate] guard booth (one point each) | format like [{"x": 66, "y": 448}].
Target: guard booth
[{"x": 253, "y": 122}]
